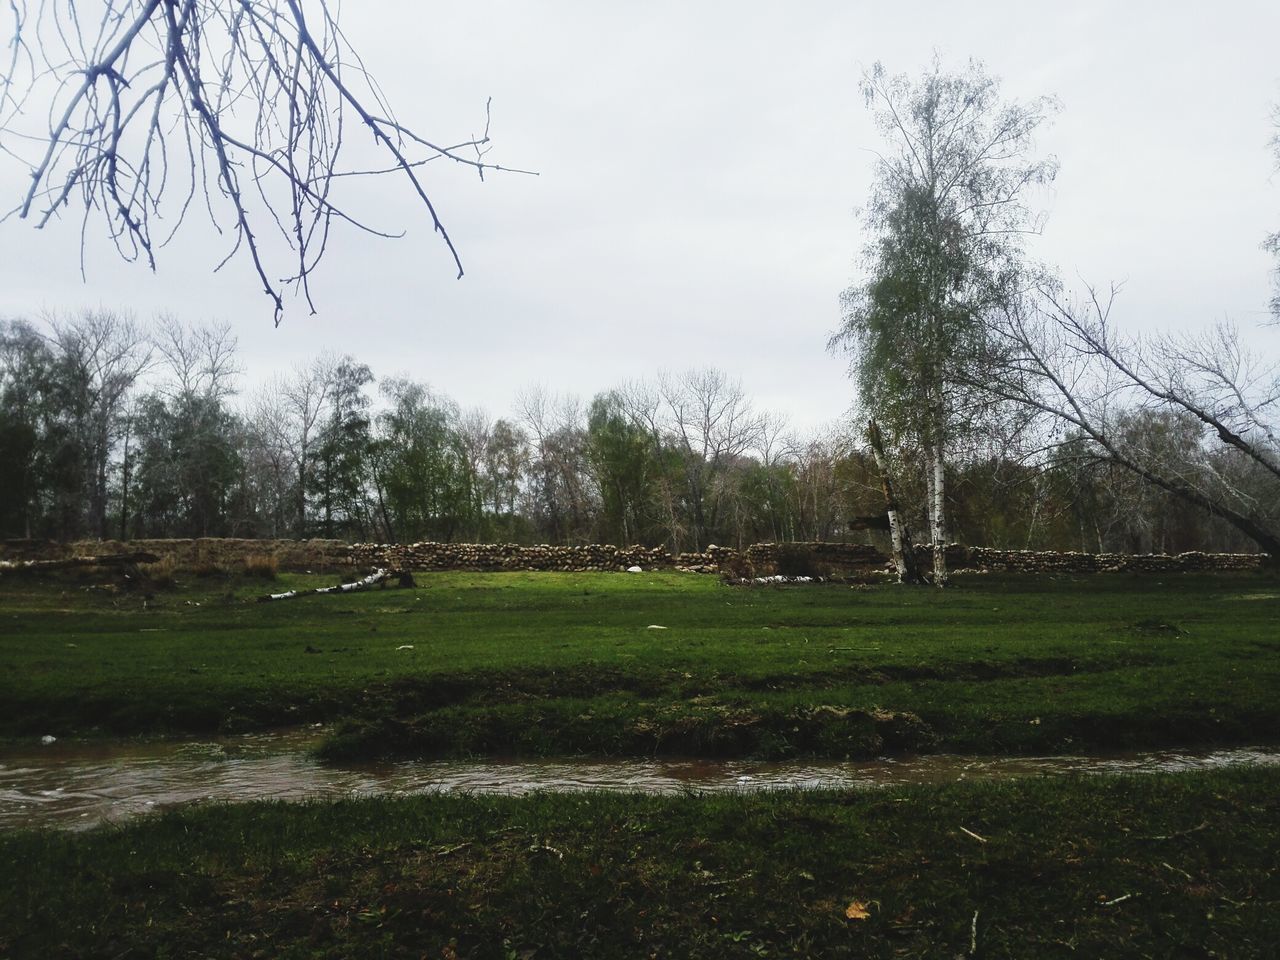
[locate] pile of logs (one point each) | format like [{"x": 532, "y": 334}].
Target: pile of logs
[
  {"x": 841, "y": 555},
  {"x": 710, "y": 560},
  {"x": 69, "y": 563},
  {"x": 760, "y": 558},
  {"x": 1046, "y": 561},
  {"x": 508, "y": 556}
]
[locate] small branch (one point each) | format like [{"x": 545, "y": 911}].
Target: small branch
[
  {"x": 1180, "y": 833},
  {"x": 1112, "y": 903}
]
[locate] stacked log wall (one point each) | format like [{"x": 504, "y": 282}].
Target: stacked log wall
[{"x": 760, "y": 558}]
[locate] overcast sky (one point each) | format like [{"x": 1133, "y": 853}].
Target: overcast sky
[{"x": 700, "y": 167}]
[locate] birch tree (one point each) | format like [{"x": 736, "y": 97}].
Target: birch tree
[{"x": 948, "y": 212}]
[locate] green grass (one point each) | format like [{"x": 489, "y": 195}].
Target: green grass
[
  {"x": 563, "y": 663},
  {"x": 1158, "y": 866}
]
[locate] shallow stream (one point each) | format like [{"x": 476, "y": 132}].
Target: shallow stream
[{"x": 74, "y": 785}]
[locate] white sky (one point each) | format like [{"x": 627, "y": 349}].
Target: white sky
[{"x": 700, "y": 168}]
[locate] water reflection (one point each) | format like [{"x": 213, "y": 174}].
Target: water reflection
[{"x": 74, "y": 786}]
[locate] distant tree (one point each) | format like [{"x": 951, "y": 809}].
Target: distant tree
[
  {"x": 187, "y": 463},
  {"x": 270, "y": 456},
  {"x": 187, "y": 466},
  {"x": 420, "y": 465},
  {"x": 474, "y": 432},
  {"x": 100, "y": 356},
  {"x": 31, "y": 422},
  {"x": 948, "y": 211},
  {"x": 340, "y": 477},
  {"x": 620, "y": 455},
  {"x": 245, "y": 106},
  {"x": 710, "y": 423},
  {"x": 506, "y": 462},
  {"x": 305, "y": 394},
  {"x": 817, "y": 462},
  {"x": 644, "y": 406},
  {"x": 197, "y": 360},
  {"x": 561, "y": 494}
]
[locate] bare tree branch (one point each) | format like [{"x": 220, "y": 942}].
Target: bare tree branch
[
  {"x": 241, "y": 102},
  {"x": 1064, "y": 359}
]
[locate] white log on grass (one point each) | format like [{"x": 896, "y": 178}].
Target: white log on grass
[{"x": 378, "y": 576}]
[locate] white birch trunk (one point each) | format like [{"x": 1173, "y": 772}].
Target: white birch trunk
[
  {"x": 895, "y": 524},
  {"x": 899, "y": 539},
  {"x": 938, "y": 514}
]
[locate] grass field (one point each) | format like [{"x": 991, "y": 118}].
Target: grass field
[
  {"x": 1157, "y": 866},
  {"x": 1160, "y": 866},
  {"x": 566, "y": 663}
]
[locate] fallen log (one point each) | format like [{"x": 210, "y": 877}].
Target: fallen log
[
  {"x": 67, "y": 563},
  {"x": 378, "y": 576}
]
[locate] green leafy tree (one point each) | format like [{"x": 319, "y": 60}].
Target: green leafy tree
[
  {"x": 422, "y": 478},
  {"x": 32, "y": 430},
  {"x": 621, "y": 459},
  {"x": 341, "y": 457},
  {"x": 506, "y": 460}
]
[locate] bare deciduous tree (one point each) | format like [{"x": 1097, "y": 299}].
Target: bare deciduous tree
[
  {"x": 102, "y": 355},
  {"x": 711, "y": 421},
  {"x": 306, "y": 393},
  {"x": 245, "y": 108},
  {"x": 269, "y": 426},
  {"x": 1066, "y": 359},
  {"x": 561, "y": 487},
  {"x": 200, "y": 359}
]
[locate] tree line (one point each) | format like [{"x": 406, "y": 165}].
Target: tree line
[{"x": 112, "y": 428}]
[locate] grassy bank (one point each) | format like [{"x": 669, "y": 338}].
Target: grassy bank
[
  {"x": 566, "y": 663},
  {"x": 1162, "y": 866}
]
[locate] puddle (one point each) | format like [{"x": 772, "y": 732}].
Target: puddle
[{"x": 77, "y": 786}]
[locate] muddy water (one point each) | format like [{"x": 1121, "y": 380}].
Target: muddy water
[{"x": 74, "y": 786}]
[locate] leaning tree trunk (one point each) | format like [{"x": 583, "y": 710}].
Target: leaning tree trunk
[
  {"x": 904, "y": 555},
  {"x": 938, "y": 514}
]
